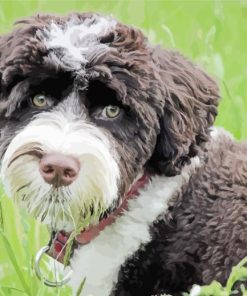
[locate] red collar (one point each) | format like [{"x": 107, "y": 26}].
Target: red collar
[{"x": 59, "y": 240}]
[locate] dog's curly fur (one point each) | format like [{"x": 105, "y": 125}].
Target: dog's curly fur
[{"x": 171, "y": 105}]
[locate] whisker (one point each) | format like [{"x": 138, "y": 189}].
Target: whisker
[
  {"x": 24, "y": 186},
  {"x": 71, "y": 216}
]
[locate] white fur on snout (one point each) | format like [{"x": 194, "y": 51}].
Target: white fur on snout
[{"x": 96, "y": 185}]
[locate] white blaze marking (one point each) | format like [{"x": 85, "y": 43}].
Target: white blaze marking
[{"x": 78, "y": 39}]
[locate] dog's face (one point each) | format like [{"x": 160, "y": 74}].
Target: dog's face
[{"x": 87, "y": 105}]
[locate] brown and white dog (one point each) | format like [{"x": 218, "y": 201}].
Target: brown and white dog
[{"x": 100, "y": 129}]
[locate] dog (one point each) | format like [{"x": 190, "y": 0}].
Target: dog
[{"x": 108, "y": 137}]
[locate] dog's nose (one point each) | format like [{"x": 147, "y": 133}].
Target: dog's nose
[{"x": 58, "y": 169}]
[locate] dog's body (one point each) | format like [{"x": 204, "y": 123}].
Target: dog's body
[
  {"x": 87, "y": 108},
  {"x": 191, "y": 231}
]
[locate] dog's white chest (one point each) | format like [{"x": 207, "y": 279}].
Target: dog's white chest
[{"x": 100, "y": 260}]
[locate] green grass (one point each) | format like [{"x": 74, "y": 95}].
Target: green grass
[
  {"x": 212, "y": 33},
  {"x": 238, "y": 274}
]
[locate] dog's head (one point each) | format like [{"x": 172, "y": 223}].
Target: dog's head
[{"x": 87, "y": 105}]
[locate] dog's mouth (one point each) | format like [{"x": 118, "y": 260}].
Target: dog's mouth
[
  {"x": 62, "y": 208},
  {"x": 62, "y": 243}
]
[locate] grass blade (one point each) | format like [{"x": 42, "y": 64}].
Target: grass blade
[
  {"x": 1, "y": 217},
  {"x": 12, "y": 289},
  {"x": 79, "y": 290},
  {"x": 13, "y": 260}
]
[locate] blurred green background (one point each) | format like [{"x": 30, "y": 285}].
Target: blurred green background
[{"x": 211, "y": 33}]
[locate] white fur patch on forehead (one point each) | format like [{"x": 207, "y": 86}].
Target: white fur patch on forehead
[{"x": 78, "y": 39}]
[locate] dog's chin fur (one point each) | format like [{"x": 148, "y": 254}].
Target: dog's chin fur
[{"x": 188, "y": 225}]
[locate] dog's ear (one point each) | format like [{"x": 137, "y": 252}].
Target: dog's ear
[{"x": 190, "y": 107}]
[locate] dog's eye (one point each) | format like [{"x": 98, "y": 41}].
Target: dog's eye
[
  {"x": 111, "y": 111},
  {"x": 39, "y": 101}
]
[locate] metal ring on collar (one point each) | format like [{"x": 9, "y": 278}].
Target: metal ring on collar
[{"x": 47, "y": 282}]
